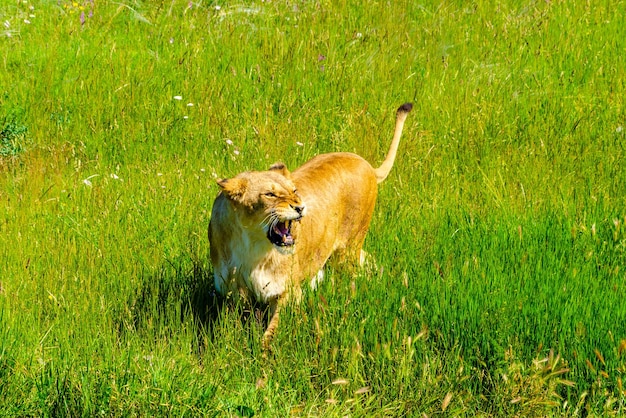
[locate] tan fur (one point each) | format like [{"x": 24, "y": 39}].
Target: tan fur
[{"x": 329, "y": 201}]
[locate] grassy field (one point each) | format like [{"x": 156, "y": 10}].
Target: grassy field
[{"x": 499, "y": 237}]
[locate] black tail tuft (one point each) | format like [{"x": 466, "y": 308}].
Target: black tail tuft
[{"x": 405, "y": 108}]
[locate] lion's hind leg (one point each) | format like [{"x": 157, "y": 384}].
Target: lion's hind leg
[
  {"x": 355, "y": 258},
  {"x": 317, "y": 279}
]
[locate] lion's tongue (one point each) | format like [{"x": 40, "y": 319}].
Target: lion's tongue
[{"x": 282, "y": 230}]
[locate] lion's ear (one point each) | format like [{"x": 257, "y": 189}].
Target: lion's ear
[
  {"x": 281, "y": 168},
  {"x": 233, "y": 188}
]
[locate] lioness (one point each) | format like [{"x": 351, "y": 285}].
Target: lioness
[{"x": 270, "y": 230}]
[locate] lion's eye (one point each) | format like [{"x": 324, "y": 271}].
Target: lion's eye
[
  {"x": 270, "y": 194},
  {"x": 295, "y": 191}
]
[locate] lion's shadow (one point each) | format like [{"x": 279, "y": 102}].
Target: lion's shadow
[
  {"x": 177, "y": 294},
  {"x": 174, "y": 294}
]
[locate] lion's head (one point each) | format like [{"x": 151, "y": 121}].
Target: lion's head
[{"x": 269, "y": 200}]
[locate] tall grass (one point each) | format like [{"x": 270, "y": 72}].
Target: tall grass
[{"x": 499, "y": 239}]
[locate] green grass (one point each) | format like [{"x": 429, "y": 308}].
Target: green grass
[{"x": 499, "y": 237}]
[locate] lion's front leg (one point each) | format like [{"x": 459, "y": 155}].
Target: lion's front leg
[{"x": 275, "y": 306}]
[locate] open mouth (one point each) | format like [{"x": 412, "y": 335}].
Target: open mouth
[{"x": 279, "y": 234}]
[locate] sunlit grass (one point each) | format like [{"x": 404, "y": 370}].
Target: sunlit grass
[{"x": 499, "y": 238}]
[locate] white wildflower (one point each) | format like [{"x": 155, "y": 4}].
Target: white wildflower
[{"x": 178, "y": 97}]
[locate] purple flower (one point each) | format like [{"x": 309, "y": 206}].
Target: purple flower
[{"x": 82, "y": 18}]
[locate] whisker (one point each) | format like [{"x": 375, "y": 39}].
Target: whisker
[
  {"x": 268, "y": 216},
  {"x": 270, "y": 220}
]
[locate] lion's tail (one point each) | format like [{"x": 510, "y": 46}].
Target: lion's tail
[{"x": 383, "y": 171}]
